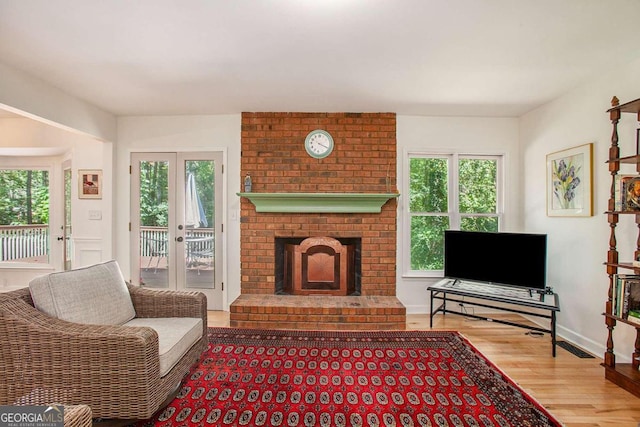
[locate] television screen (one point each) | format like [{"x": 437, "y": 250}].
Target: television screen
[{"x": 512, "y": 259}]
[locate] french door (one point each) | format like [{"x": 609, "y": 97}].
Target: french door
[{"x": 176, "y": 222}]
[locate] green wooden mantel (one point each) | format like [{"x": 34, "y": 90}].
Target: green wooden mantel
[{"x": 319, "y": 202}]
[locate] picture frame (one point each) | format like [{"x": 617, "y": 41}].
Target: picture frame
[
  {"x": 570, "y": 182},
  {"x": 620, "y": 189},
  {"x": 630, "y": 194},
  {"x": 90, "y": 183}
]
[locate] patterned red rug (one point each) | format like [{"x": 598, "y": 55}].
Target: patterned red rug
[{"x": 314, "y": 378}]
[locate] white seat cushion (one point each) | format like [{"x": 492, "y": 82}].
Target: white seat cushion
[
  {"x": 95, "y": 295},
  {"x": 176, "y": 335}
]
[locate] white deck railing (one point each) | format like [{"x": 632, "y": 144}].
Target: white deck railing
[
  {"x": 153, "y": 240},
  {"x": 22, "y": 242}
]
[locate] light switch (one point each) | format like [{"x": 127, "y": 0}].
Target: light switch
[{"x": 95, "y": 215}]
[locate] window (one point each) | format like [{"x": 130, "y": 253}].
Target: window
[
  {"x": 24, "y": 215},
  {"x": 453, "y": 191}
]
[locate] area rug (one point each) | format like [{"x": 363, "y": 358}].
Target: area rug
[{"x": 250, "y": 377}]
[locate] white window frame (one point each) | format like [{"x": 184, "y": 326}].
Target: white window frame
[{"x": 453, "y": 205}]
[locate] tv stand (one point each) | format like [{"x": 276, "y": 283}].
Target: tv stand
[{"x": 514, "y": 300}]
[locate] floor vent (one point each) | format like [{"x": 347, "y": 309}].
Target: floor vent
[{"x": 574, "y": 350}]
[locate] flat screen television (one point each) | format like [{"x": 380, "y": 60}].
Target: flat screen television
[{"x": 509, "y": 259}]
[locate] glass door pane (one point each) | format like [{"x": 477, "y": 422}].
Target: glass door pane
[
  {"x": 66, "y": 229},
  {"x": 199, "y": 220},
  {"x": 153, "y": 216}
]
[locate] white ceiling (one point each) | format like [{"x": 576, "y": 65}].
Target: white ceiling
[{"x": 423, "y": 57}]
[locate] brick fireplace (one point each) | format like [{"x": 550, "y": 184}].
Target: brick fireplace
[{"x": 363, "y": 161}]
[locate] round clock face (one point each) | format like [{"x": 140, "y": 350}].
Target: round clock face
[{"x": 318, "y": 144}]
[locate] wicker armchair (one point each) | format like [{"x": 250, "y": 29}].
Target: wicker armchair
[
  {"x": 77, "y": 416},
  {"x": 112, "y": 369}
]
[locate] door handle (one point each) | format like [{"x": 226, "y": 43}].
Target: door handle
[
  {"x": 60, "y": 238},
  {"x": 179, "y": 239}
]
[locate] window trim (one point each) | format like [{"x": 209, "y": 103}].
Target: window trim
[{"x": 454, "y": 215}]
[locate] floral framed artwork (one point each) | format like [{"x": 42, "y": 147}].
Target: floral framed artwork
[
  {"x": 570, "y": 182},
  {"x": 89, "y": 184}
]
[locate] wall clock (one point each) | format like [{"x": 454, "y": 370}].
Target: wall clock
[{"x": 319, "y": 144}]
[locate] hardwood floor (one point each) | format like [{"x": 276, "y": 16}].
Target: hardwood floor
[{"x": 572, "y": 389}]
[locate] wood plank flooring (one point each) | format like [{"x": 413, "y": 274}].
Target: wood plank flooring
[{"x": 572, "y": 389}]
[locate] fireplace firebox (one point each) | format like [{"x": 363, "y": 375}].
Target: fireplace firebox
[{"x": 318, "y": 266}]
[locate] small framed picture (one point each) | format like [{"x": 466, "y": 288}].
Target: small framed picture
[
  {"x": 89, "y": 184},
  {"x": 570, "y": 182}
]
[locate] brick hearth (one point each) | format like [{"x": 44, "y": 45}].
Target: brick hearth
[
  {"x": 363, "y": 161},
  {"x": 318, "y": 312}
]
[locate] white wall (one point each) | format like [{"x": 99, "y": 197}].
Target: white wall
[
  {"x": 578, "y": 246},
  {"x": 24, "y": 94},
  {"x": 182, "y": 133},
  {"x": 468, "y": 135}
]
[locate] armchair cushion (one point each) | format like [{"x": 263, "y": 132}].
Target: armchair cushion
[
  {"x": 176, "y": 335},
  {"x": 95, "y": 295}
]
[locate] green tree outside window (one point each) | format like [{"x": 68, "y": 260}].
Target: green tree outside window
[
  {"x": 25, "y": 197},
  {"x": 436, "y": 206}
]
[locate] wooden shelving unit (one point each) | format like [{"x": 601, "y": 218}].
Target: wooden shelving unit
[{"x": 625, "y": 375}]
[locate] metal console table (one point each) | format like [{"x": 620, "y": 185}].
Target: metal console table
[{"x": 517, "y": 301}]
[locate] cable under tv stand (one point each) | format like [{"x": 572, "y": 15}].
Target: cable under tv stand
[{"x": 514, "y": 300}]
